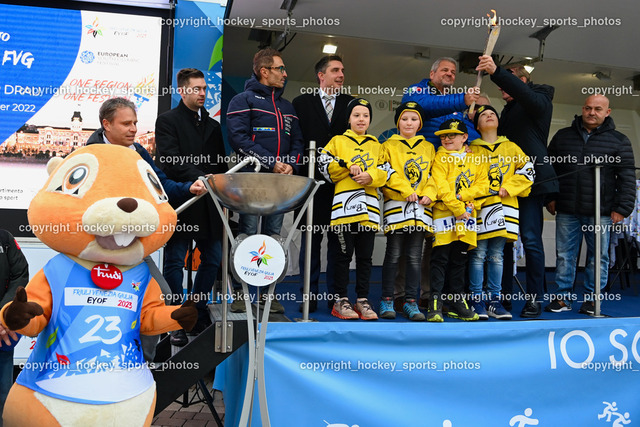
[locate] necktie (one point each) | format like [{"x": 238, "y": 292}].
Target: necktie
[{"x": 327, "y": 106}]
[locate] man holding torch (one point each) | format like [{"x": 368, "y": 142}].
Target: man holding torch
[{"x": 525, "y": 120}]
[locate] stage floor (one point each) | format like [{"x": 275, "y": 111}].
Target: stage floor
[{"x": 620, "y": 302}]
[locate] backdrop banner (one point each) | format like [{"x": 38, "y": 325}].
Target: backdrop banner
[
  {"x": 198, "y": 44},
  {"x": 535, "y": 373}
]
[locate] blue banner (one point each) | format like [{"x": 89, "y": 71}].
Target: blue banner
[
  {"x": 39, "y": 47},
  {"x": 542, "y": 373}
]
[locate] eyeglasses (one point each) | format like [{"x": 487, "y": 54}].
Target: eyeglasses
[
  {"x": 281, "y": 68},
  {"x": 449, "y": 136}
]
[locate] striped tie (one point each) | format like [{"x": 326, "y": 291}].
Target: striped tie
[{"x": 327, "y": 106}]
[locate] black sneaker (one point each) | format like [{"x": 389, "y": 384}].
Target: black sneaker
[
  {"x": 434, "y": 310},
  {"x": 531, "y": 309},
  {"x": 460, "y": 310},
  {"x": 313, "y": 306},
  {"x": 588, "y": 307},
  {"x": 558, "y": 306},
  {"x": 179, "y": 338}
]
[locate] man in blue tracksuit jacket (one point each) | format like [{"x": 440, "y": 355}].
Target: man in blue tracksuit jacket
[
  {"x": 439, "y": 102},
  {"x": 261, "y": 123}
]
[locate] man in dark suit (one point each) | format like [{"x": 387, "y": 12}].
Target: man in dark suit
[
  {"x": 189, "y": 144},
  {"x": 322, "y": 116}
]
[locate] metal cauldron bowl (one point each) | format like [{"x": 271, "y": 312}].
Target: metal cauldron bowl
[{"x": 260, "y": 193}]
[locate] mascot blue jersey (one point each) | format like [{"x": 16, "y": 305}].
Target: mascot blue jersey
[{"x": 92, "y": 338}]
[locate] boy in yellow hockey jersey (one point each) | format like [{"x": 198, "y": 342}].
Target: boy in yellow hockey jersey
[
  {"x": 407, "y": 159},
  {"x": 511, "y": 175},
  {"x": 351, "y": 161},
  {"x": 461, "y": 180}
]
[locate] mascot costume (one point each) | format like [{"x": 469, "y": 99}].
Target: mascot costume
[{"x": 90, "y": 303}]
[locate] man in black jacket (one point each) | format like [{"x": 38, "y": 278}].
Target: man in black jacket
[
  {"x": 525, "y": 120},
  {"x": 321, "y": 115},
  {"x": 14, "y": 272},
  {"x": 591, "y": 139},
  {"x": 189, "y": 144}
]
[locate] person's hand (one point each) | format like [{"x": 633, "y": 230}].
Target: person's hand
[
  {"x": 363, "y": 178},
  {"x": 412, "y": 198},
  {"x": 486, "y": 64},
  {"x": 6, "y": 335},
  {"x": 471, "y": 96},
  {"x": 467, "y": 149},
  {"x": 355, "y": 170},
  {"x": 503, "y": 192},
  {"x": 425, "y": 200},
  {"x": 197, "y": 188},
  {"x": 465, "y": 216},
  {"x": 551, "y": 207},
  {"x": 616, "y": 217},
  {"x": 283, "y": 168}
]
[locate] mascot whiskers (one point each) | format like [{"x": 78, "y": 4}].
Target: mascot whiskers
[{"x": 91, "y": 302}]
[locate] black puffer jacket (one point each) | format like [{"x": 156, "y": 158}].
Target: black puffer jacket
[
  {"x": 569, "y": 153},
  {"x": 526, "y": 120}
]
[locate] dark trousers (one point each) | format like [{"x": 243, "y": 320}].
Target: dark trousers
[
  {"x": 531, "y": 222},
  {"x": 351, "y": 239},
  {"x": 316, "y": 256},
  {"x": 450, "y": 261},
  {"x": 425, "y": 274},
  {"x": 409, "y": 244}
]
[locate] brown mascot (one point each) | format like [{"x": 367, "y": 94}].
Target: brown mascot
[{"x": 92, "y": 301}]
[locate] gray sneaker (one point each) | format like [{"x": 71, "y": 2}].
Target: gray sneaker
[{"x": 237, "y": 306}]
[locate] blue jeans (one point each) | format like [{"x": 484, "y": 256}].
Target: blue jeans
[
  {"x": 210, "y": 258},
  {"x": 6, "y": 375},
  {"x": 411, "y": 245},
  {"x": 271, "y": 224},
  {"x": 489, "y": 250},
  {"x": 316, "y": 255},
  {"x": 569, "y": 232}
]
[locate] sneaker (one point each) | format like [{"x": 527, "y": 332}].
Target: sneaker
[
  {"x": 460, "y": 310},
  {"x": 276, "y": 306},
  {"x": 386, "y": 309},
  {"x": 178, "y": 338},
  {"x": 480, "y": 308},
  {"x": 588, "y": 307},
  {"x": 558, "y": 306},
  {"x": 342, "y": 309},
  {"x": 412, "y": 311},
  {"x": 364, "y": 310},
  {"x": 237, "y": 306},
  {"x": 531, "y": 309},
  {"x": 313, "y": 306},
  {"x": 434, "y": 312},
  {"x": 497, "y": 311}
]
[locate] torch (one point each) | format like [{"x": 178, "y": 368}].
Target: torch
[{"x": 492, "y": 38}]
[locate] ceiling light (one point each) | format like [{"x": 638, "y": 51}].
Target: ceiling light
[
  {"x": 529, "y": 68},
  {"x": 602, "y": 76},
  {"x": 329, "y": 49}
]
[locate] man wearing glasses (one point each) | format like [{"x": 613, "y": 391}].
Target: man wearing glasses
[{"x": 262, "y": 124}]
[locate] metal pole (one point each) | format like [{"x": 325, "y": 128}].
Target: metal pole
[
  {"x": 306, "y": 284},
  {"x": 598, "y": 244},
  {"x": 225, "y": 280}
]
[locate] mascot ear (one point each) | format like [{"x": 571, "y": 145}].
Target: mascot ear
[{"x": 53, "y": 163}]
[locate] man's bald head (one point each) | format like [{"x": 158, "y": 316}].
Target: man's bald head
[{"x": 594, "y": 111}]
